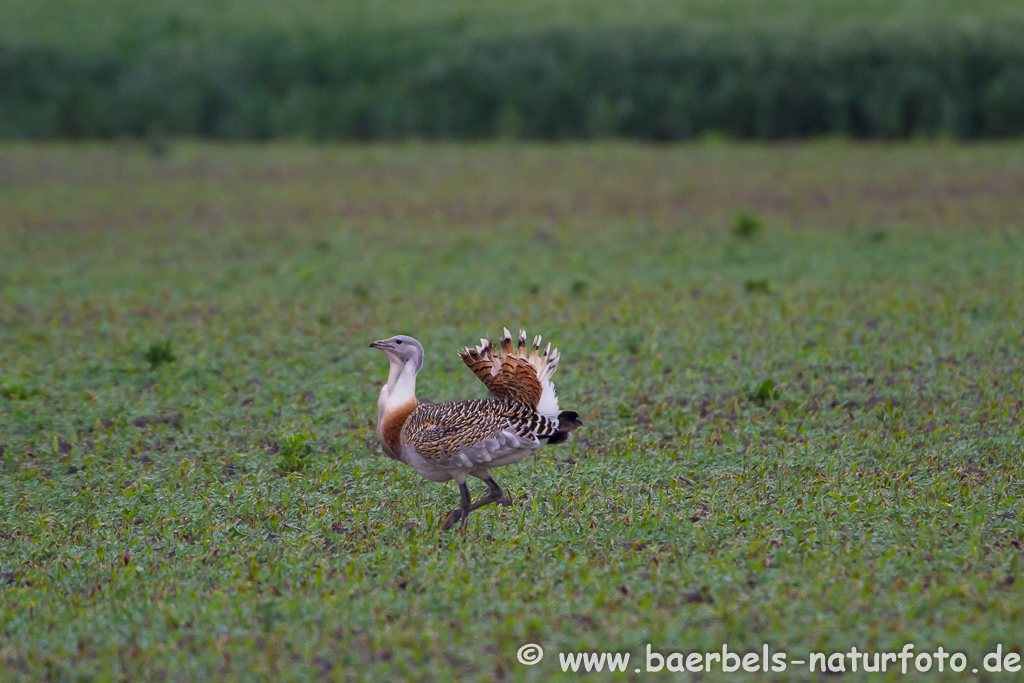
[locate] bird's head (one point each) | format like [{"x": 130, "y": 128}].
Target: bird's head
[{"x": 401, "y": 349}]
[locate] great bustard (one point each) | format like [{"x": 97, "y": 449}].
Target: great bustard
[{"x": 461, "y": 439}]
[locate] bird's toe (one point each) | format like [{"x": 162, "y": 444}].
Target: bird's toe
[{"x": 453, "y": 517}]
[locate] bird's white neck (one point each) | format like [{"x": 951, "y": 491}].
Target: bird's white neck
[{"x": 399, "y": 391}]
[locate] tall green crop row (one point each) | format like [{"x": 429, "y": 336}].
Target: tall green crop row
[{"x": 649, "y": 83}]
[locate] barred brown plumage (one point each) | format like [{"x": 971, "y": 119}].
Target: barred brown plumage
[
  {"x": 438, "y": 430},
  {"x": 461, "y": 439}
]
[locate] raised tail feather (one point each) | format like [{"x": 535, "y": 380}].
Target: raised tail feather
[{"x": 515, "y": 373}]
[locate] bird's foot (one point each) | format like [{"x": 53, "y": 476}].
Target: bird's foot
[{"x": 453, "y": 517}]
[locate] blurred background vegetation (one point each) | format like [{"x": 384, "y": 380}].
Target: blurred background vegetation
[{"x": 543, "y": 69}]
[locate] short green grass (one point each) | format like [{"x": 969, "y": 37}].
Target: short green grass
[{"x": 806, "y": 434}]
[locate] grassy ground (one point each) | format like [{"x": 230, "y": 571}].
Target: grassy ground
[{"x": 806, "y": 435}]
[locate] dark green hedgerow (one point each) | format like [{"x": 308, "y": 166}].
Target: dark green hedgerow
[{"x": 565, "y": 82}]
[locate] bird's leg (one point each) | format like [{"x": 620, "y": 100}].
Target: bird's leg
[
  {"x": 494, "y": 495},
  {"x": 466, "y": 507},
  {"x": 461, "y": 512}
]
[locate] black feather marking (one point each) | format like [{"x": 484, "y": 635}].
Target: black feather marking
[{"x": 568, "y": 420}]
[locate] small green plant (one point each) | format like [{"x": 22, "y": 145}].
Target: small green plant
[
  {"x": 765, "y": 392},
  {"x": 756, "y": 286},
  {"x": 634, "y": 341},
  {"x": 158, "y": 354},
  {"x": 746, "y": 224},
  {"x": 15, "y": 392},
  {"x": 294, "y": 452}
]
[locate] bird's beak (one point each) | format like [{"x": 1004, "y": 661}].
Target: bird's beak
[{"x": 382, "y": 344}]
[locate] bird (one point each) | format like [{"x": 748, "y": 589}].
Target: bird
[{"x": 455, "y": 440}]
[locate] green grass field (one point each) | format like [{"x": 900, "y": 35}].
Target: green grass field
[{"x": 799, "y": 368}]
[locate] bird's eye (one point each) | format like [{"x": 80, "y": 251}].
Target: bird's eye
[{"x": 398, "y": 341}]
